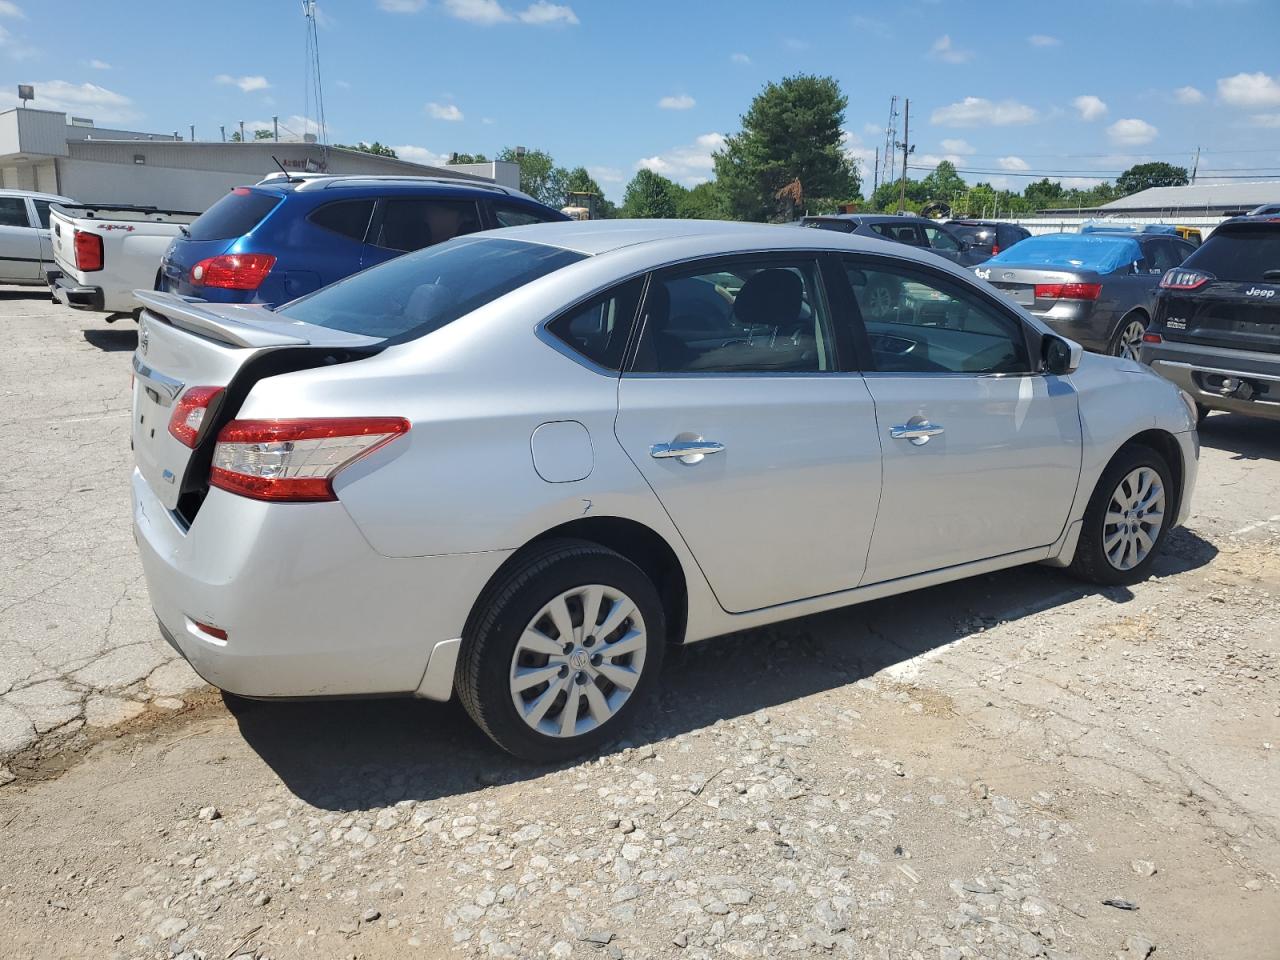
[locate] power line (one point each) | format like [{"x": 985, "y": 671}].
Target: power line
[{"x": 1248, "y": 173}]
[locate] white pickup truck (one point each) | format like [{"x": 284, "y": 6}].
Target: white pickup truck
[{"x": 104, "y": 253}]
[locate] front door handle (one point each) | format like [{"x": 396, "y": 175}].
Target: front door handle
[
  {"x": 688, "y": 451},
  {"x": 918, "y": 431}
]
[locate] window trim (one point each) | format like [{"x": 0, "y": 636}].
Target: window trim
[
  {"x": 1031, "y": 337},
  {"x": 838, "y": 366}
]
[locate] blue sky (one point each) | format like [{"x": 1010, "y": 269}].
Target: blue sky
[{"x": 1083, "y": 89}]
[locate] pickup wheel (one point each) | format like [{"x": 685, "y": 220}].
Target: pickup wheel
[{"x": 1127, "y": 519}]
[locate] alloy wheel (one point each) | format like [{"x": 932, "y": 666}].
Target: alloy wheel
[
  {"x": 1129, "y": 345},
  {"x": 578, "y": 661},
  {"x": 1134, "y": 518}
]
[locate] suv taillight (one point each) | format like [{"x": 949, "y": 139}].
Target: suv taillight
[
  {"x": 190, "y": 413},
  {"x": 88, "y": 247},
  {"x": 1181, "y": 279},
  {"x": 295, "y": 461},
  {"x": 233, "y": 271}
]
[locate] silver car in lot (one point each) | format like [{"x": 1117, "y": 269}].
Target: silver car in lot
[
  {"x": 1096, "y": 288},
  {"x": 517, "y": 465}
]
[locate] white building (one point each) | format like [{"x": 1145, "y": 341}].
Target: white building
[{"x": 43, "y": 150}]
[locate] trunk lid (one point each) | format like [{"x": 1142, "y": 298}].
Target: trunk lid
[
  {"x": 184, "y": 344},
  {"x": 1235, "y": 314},
  {"x": 1019, "y": 283}
]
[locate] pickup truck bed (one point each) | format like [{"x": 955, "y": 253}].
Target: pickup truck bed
[{"x": 105, "y": 252}]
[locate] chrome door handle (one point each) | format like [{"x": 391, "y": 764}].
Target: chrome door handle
[
  {"x": 688, "y": 451},
  {"x": 917, "y": 431}
]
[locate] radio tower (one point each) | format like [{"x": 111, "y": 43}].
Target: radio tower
[
  {"x": 888, "y": 154},
  {"x": 313, "y": 92}
]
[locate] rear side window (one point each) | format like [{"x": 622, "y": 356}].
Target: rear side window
[
  {"x": 901, "y": 232},
  {"x": 234, "y": 215},
  {"x": 1241, "y": 254},
  {"x": 42, "y": 211},
  {"x": 599, "y": 331},
  {"x": 413, "y": 295},
  {"x": 350, "y": 218},
  {"x": 13, "y": 212},
  {"x": 414, "y": 223},
  {"x": 510, "y": 215}
]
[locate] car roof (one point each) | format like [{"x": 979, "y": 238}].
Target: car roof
[
  {"x": 872, "y": 217},
  {"x": 36, "y": 195}
]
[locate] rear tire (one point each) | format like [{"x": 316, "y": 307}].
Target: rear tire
[
  {"x": 1127, "y": 519},
  {"x": 1127, "y": 342},
  {"x": 541, "y": 650}
]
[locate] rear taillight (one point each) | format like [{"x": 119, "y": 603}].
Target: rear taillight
[
  {"x": 233, "y": 271},
  {"x": 995, "y": 248},
  {"x": 88, "y": 247},
  {"x": 1068, "y": 291},
  {"x": 1180, "y": 279},
  {"x": 191, "y": 412},
  {"x": 295, "y": 460}
]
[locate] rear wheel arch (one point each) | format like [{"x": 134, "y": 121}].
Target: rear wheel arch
[{"x": 1137, "y": 313}]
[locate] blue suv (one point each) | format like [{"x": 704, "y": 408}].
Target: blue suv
[{"x": 285, "y": 237}]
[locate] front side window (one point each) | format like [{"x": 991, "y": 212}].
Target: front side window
[
  {"x": 13, "y": 212},
  {"x": 414, "y": 223},
  {"x": 919, "y": 322},
  {"x": 599, "y": 330},
  {"x": 750, "y": 316},
  {"x": 349, "y": 218}
]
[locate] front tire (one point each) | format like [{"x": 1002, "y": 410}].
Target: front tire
[
  {"x": 560, "y": 650},
  {"x": 1127, "y": 520}
]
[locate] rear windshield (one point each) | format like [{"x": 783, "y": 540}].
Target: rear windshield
[
  {"x": 234, "y": 215},
  {"x": 1240, "y": 254},
  {"x": 413, "y": 295},
  {"x": 973, "y": 233},
  {"x": 840, "y": 226},
  {"x": 1072, "y": 251}
]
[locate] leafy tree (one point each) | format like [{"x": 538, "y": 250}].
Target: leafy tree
[
  {"x": 650, "y": 195},
  {"x": 943, "y": 183},
  {"x": 792, "y": 131},
  {"x": 468, "y": 158},
  {"x": 539, "y": 175},
  {"x": 1043, "y": 193},
  {"x": 1145, "y": 175},
  {"x": 887, "y": 195},
  {"x": 703, "y": 202},
  {"x": 375, "y": 148},
  {"x": 578, "y": 180},
  {"x": 261, "y": 133}
]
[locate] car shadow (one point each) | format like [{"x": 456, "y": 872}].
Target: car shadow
[
  {"x": 113, "y": 341},
  {"x": 25, "y": 293},
  {"x": 1246, "y": 438},
  {"x": 362, "y": 754}
]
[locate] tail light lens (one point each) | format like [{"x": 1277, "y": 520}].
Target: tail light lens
[
  {"x": 1152, "y": 338},
  {"x": 995, "y": 248},
  {"x": 1068, "y": 291},
  {"x": 88, "y": 247},
  {"x": 191, "y": 412},
  {"x": 1180, "y": 279},
  {"x": 295, "y": 461},
  {"x": 233, "y": 271}
]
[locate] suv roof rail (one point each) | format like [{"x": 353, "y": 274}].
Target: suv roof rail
[{"x": 325, "y": 181}]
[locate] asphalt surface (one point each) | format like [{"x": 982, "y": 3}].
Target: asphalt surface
[{"x": 969, "y": 771}]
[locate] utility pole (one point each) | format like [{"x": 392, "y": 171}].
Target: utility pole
[
  {"x": 223, "y": 129},
  {"x": 242, "y": 131},
  {"x": 907, "y": 149},
  {"x": 193, "y": 133},
  {"x": 1195, "y": 165},
  {"x": 275, "y": 123},
  {"x": 875, "y": 181}
]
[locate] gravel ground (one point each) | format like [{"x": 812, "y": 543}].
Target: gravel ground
[{"x": 1011, "y": 766}]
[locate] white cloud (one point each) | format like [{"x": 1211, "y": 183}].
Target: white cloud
[
  {"x": 739, "y": 58},
  {"x": 957, "y": 146},
  {"x": 99, "y": 65},
  {"x": 1131, "y": 132},
  {"x": 246, "y": 84},
  {"x": 1091, "y": 108},
  {"x": 1250, "y": 90},
  {"x": 680, "y": 101},
  {"x": 1268, "y": 120},
  {"x": 1188, "y": 95},
  {"x": 421, "y": 155},
  {"x": 689, "y": 164},
  {"x": 81, "y": 99},
  {"x": 477, "y": 11},
  {"x": 931, "y": 160},
  {"x": 978, "y": 112},
  {"x": 1013, "y": 163},
  {"x": 607, "y": 174},
  {"x": 1043, "y": 40},
  {"x": 543, "y": 12},
  {"x": 863, "y": 156},
  {"x": 401, "y": 6},
  {"x": 9, "y": 9},
  {"x": 944, "y": 50},
  {"x": 443, "y": 111}
]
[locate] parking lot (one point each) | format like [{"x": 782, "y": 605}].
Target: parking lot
[{"x": 1009, "y": 766}]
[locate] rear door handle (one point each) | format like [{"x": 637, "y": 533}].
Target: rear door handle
[
  {"x": 917, "y": 431},
  {"x": 687, "y": 451}
]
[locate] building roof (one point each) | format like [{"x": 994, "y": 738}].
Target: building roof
[{"x": 1228, "y": 195}]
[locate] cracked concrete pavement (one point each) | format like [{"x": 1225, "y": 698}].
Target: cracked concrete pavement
[{"x": 79, "y": 649}]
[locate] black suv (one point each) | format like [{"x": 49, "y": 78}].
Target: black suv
[
  {"x": 1216, "y": 329},
  {"x": 914, "y": 231},
  {"x": 988, "y": 236}
]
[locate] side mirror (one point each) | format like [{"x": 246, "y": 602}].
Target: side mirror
[{"x": 1060, "y": 355}]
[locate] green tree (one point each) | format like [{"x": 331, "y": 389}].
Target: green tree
[
  {"x": 468, "y": 158},
  {"x": 887, "y": 196},
  {"x": 261, "y": 133},
  {"x": 539, "y": 175},
  {"x": 703, "y": 202},
  {"x": 792, "y": 131},
  {"x": 650, "y": 195},
  {"x": 1043, "y": 194},
  {"x": 578, "y": 180},
  {"x": 375, "y": 148},
  {"x": 943, "y": 183},
  {"x": 1146, "y": 175}
]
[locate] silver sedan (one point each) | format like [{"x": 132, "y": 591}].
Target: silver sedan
[{"x": 517, "y": 465}]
